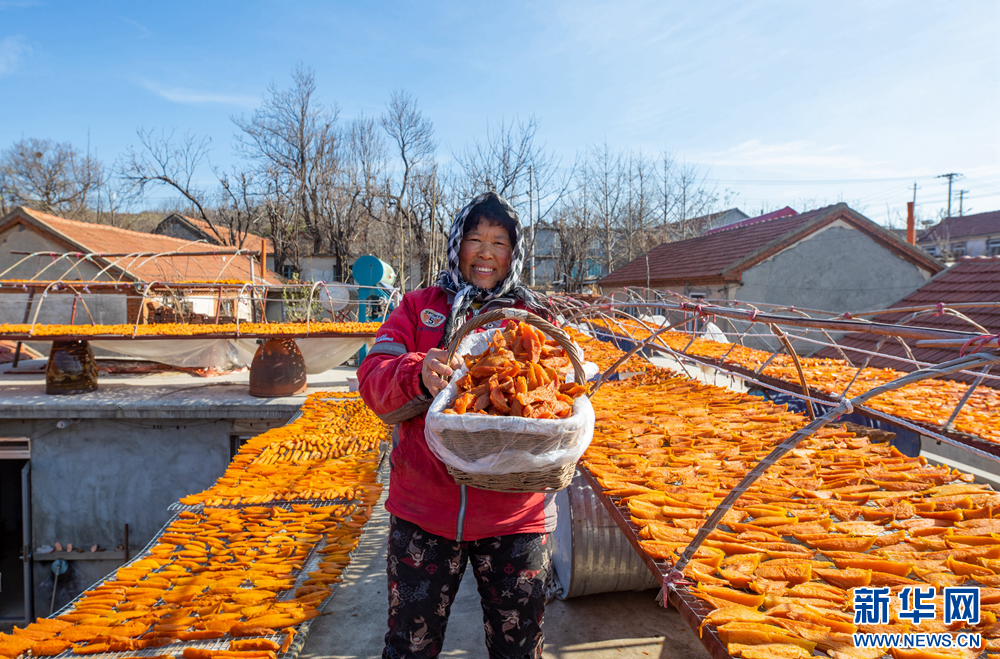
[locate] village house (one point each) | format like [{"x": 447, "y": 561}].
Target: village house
[
  {"x": 966, "y": 235},
  {"x": 972, "y": 281},
  {"x": 832, "y": 258},
  {"x": 33, "y": 245}
]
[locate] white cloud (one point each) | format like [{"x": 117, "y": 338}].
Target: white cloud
[
  {"x": 12, "y": 51},
  {"x": 144, "y": 32},
  {"x": 789, "y": 155},
  {"x": 197, "y": 97}
]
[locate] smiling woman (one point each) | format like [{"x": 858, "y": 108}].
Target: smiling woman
[
  {"x": 484, "y": 255},
  {"x": 437, "y": 525}
]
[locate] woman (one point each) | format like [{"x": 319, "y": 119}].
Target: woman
[{"x": 437, "y": 525}]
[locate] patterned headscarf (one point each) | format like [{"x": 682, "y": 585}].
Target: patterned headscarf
[{"x": 506, "y": 292}]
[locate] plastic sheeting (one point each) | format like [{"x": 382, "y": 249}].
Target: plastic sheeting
[
  {"x": 713, "y": 333},
  {"x": 320, "y": 354},
  {"x": 324, "y": 354}
]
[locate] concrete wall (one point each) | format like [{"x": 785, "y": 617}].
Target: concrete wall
[
  {"x": 93, "y": 477},
  {"x": 58, "y": 308},
  {"x": 20, "y": 238},
  {"x": 318, "y": 268},
  {"x": 837, "y": 268},
  {"x": 90, "y": 479}
]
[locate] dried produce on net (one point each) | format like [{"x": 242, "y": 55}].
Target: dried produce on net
[
  {"x": 237, "y": 573},
  {"x": 189, "y": 329},
  {"x": 928, "y": 401},
  {"x": 837, "y": 513}
]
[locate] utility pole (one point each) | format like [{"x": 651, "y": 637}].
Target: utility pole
[
  {"x": 961, "y": 196},
  {"x": 531, "y": 217},
  {"x": 951, "y": 176},
  {"x": 914, "y": 192}
]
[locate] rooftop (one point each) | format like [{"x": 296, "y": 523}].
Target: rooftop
[
  {"x": 100, "y": 239},
  {"x": 964, "y": 226},
  {"x": 225, "y": 235},
  {"x": 723, "y": 255},
  {"x": 971, "y": 279},
  {"x": 787, "y": 211}
]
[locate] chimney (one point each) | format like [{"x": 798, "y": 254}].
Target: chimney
[
  {"x": 911, "y": 224},
  {"x": 263, "y": 257}
]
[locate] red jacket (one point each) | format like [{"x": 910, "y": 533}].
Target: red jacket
[{"x": 420, "y": 489}]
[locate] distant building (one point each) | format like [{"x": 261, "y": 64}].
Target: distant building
[
  {"x": 315, "y": 267},
  {"x": 787, "y": 211},
  {"x": 546, "y": 262},
  {"x": 966, "y": 235},
  {"x": 190, "y": 229},
  {"x": 718, "y": 220},
  {"x": 114, "y": 255},
  {"x": 833, "y": 259}
]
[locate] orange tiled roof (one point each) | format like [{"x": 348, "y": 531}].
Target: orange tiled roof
[
  {"x": 252, "y": 240},
  {"x": 100, "y": 238}
]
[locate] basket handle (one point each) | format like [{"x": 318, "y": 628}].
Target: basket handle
[{"x": 560, "y": 337}]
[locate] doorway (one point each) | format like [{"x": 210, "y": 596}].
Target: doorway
[{"x": 15, "y": 536}]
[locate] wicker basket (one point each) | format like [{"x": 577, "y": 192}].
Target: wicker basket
[{"x": 482, "y": 443}]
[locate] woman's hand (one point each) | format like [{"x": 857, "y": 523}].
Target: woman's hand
[{"x": 435, "y": 372}]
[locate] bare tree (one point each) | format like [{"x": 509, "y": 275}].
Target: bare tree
[
  {"x": 686, "y": 200},
  {"x": 164, "y": 160},
  {"x": 352, "y": 201},
  {"x": 501, "y": 162},
  {"x": 116, "y": 199},
  {"x": 577, "y": 249},
  {"x": 605, "y": 187},
  {"x": 282, "y": 219},
  {"x": 638, "y": 231},
  {"x": 513, "y": 163},
  {"x": 51, "y": 176},
  {"x": 294, "y": 137},
  {"x": 413, "y": 137}
]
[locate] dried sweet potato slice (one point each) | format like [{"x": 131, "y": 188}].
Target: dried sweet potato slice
[
  {"x": 845, "y": 578},
  {"x": 730, "y": 595},
  {"x": 497, "y": 396}
]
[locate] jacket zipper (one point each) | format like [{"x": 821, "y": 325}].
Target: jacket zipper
[{"x": 460, "y": 526}]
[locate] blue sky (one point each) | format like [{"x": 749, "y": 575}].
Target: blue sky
[{"x": 778, "y": 101}]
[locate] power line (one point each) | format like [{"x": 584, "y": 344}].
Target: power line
[{"x": 951, "y": 177}]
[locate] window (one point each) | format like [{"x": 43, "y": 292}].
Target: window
[
  {"x": 957, "y": 250},
  {"x": 993, "y": 247},
  {"x": 931, "y": 249}
]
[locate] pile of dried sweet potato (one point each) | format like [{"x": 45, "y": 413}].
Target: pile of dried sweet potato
[
  {"x": 236, "y": 574},
  {"x": 835, "y": 514},
  {"x": 521, "y": 374}
]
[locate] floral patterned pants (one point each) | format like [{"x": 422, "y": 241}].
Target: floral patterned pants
[{"x": 425, "y": 571}]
